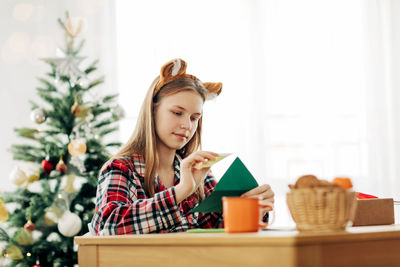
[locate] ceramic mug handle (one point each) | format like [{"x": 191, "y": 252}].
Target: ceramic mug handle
[{"x": 271, "y": 212}]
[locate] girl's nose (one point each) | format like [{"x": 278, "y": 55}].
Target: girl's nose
[{"x": 185, "y": 124}]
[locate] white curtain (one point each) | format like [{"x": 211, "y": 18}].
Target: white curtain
[{"x": 383, "y": 96}]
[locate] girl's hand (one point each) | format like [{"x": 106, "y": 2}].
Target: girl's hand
[
  {"x": 192, "y": 175},
  {"x": 264, "y": 193}
]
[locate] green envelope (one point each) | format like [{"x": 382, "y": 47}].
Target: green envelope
[{"x": 235, "y": 181}]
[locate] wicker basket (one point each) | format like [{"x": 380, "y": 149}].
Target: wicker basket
[{"x": 322, "y": 209}]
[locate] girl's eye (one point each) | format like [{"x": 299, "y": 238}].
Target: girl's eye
[
  {"x": 194, "y": 119},
  {"x": 177, "y": 113}
]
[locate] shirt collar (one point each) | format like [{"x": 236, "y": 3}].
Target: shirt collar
[{"x": 139, "y": 164}]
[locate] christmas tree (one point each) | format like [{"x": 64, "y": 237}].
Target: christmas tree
[{"x": 56, "y": 173}]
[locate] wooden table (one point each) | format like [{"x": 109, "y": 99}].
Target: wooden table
[{"x": 357, "y": 246}]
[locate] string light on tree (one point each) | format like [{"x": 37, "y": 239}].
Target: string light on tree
[{"x": 83, "y": 82}]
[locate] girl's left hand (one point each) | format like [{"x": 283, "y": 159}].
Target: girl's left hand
[{"x": 264, "y": 193}]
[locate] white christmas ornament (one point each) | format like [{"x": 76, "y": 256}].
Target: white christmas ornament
[
  {"x": 18, "y": 176},
  {"x": 69, "y": 224},
  {"x": 38, "y": 116}
]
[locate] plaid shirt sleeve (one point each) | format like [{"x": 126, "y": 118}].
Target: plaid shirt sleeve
[
  {"x": 122, "y": 207},
  {"x": 212, "y": 219}
]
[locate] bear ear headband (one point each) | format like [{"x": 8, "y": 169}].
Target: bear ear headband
[{"x": 176, "y": 69}]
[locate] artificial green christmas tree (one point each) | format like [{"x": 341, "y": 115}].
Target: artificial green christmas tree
[{"x": 56, "y": 175}]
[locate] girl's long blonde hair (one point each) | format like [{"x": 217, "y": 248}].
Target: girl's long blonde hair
[{"x": 143, "y": 140}]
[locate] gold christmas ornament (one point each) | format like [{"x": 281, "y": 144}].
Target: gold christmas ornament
[
  {"x": 76, "y": 108},
  {"x": 3, "y": 212},
  {"x": 70, "y": 224},
  {"x": 85, "y": 111},
  {"x": 24, "y": 237},
  {"x": 49, "y": 219},
  {"x": 18, "y": 176},
  {"x": 69, "y": 184},
  {"x": 52, "y": 215},
  {"x": 77, "y": 147},
  {"x": 33, "y": 174},
  {"x": 33, "y": 177},
  {"x": 61, "y": 167},
  {"x": 14, "y": 253},
  {"x": 80, "y": 111}
]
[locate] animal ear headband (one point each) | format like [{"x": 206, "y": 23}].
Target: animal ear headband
[{"x": 176, "y": 69}]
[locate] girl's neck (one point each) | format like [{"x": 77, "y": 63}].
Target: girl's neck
[{"x": 166, "y": 158}]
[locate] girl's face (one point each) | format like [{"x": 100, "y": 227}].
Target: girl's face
[{"x": 176, "y": 119}]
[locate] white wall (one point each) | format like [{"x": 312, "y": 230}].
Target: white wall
[{"x": 28, "y": 31}]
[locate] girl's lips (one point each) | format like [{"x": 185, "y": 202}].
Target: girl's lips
[{"x": 182, "y": 136}]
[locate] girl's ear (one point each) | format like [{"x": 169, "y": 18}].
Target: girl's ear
[
  {"x": 172, "y": 69},
  {"x": 213, "y": 88}
]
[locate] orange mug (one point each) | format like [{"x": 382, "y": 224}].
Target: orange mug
[{"x": 242, "y": 214}]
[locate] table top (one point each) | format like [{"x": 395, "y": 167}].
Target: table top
[{"x": 275, "y": 236}]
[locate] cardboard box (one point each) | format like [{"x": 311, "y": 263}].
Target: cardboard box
[{"x": 376, "y": 211}]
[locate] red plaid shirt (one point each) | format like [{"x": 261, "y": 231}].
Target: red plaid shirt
[{"x": 123, "y": 207}]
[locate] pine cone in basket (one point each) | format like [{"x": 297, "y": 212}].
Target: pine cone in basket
[{"x": 311, "y": 181}]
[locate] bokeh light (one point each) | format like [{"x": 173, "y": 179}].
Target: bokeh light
[
  {"x": 15, "y": 48},
  {"x": 23, "y": 11}
]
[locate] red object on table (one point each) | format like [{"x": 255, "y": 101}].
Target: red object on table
[{"x": 364, "y": 196}]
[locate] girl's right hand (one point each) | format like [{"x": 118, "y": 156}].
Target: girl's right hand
[{"x": 192, "y": 175}]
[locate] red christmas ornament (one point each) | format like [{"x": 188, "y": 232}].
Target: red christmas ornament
[
  {"x": 36, "y": 265},
  {"x": 29, "y": 226},
  {"x": 47, "y": 166}
]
